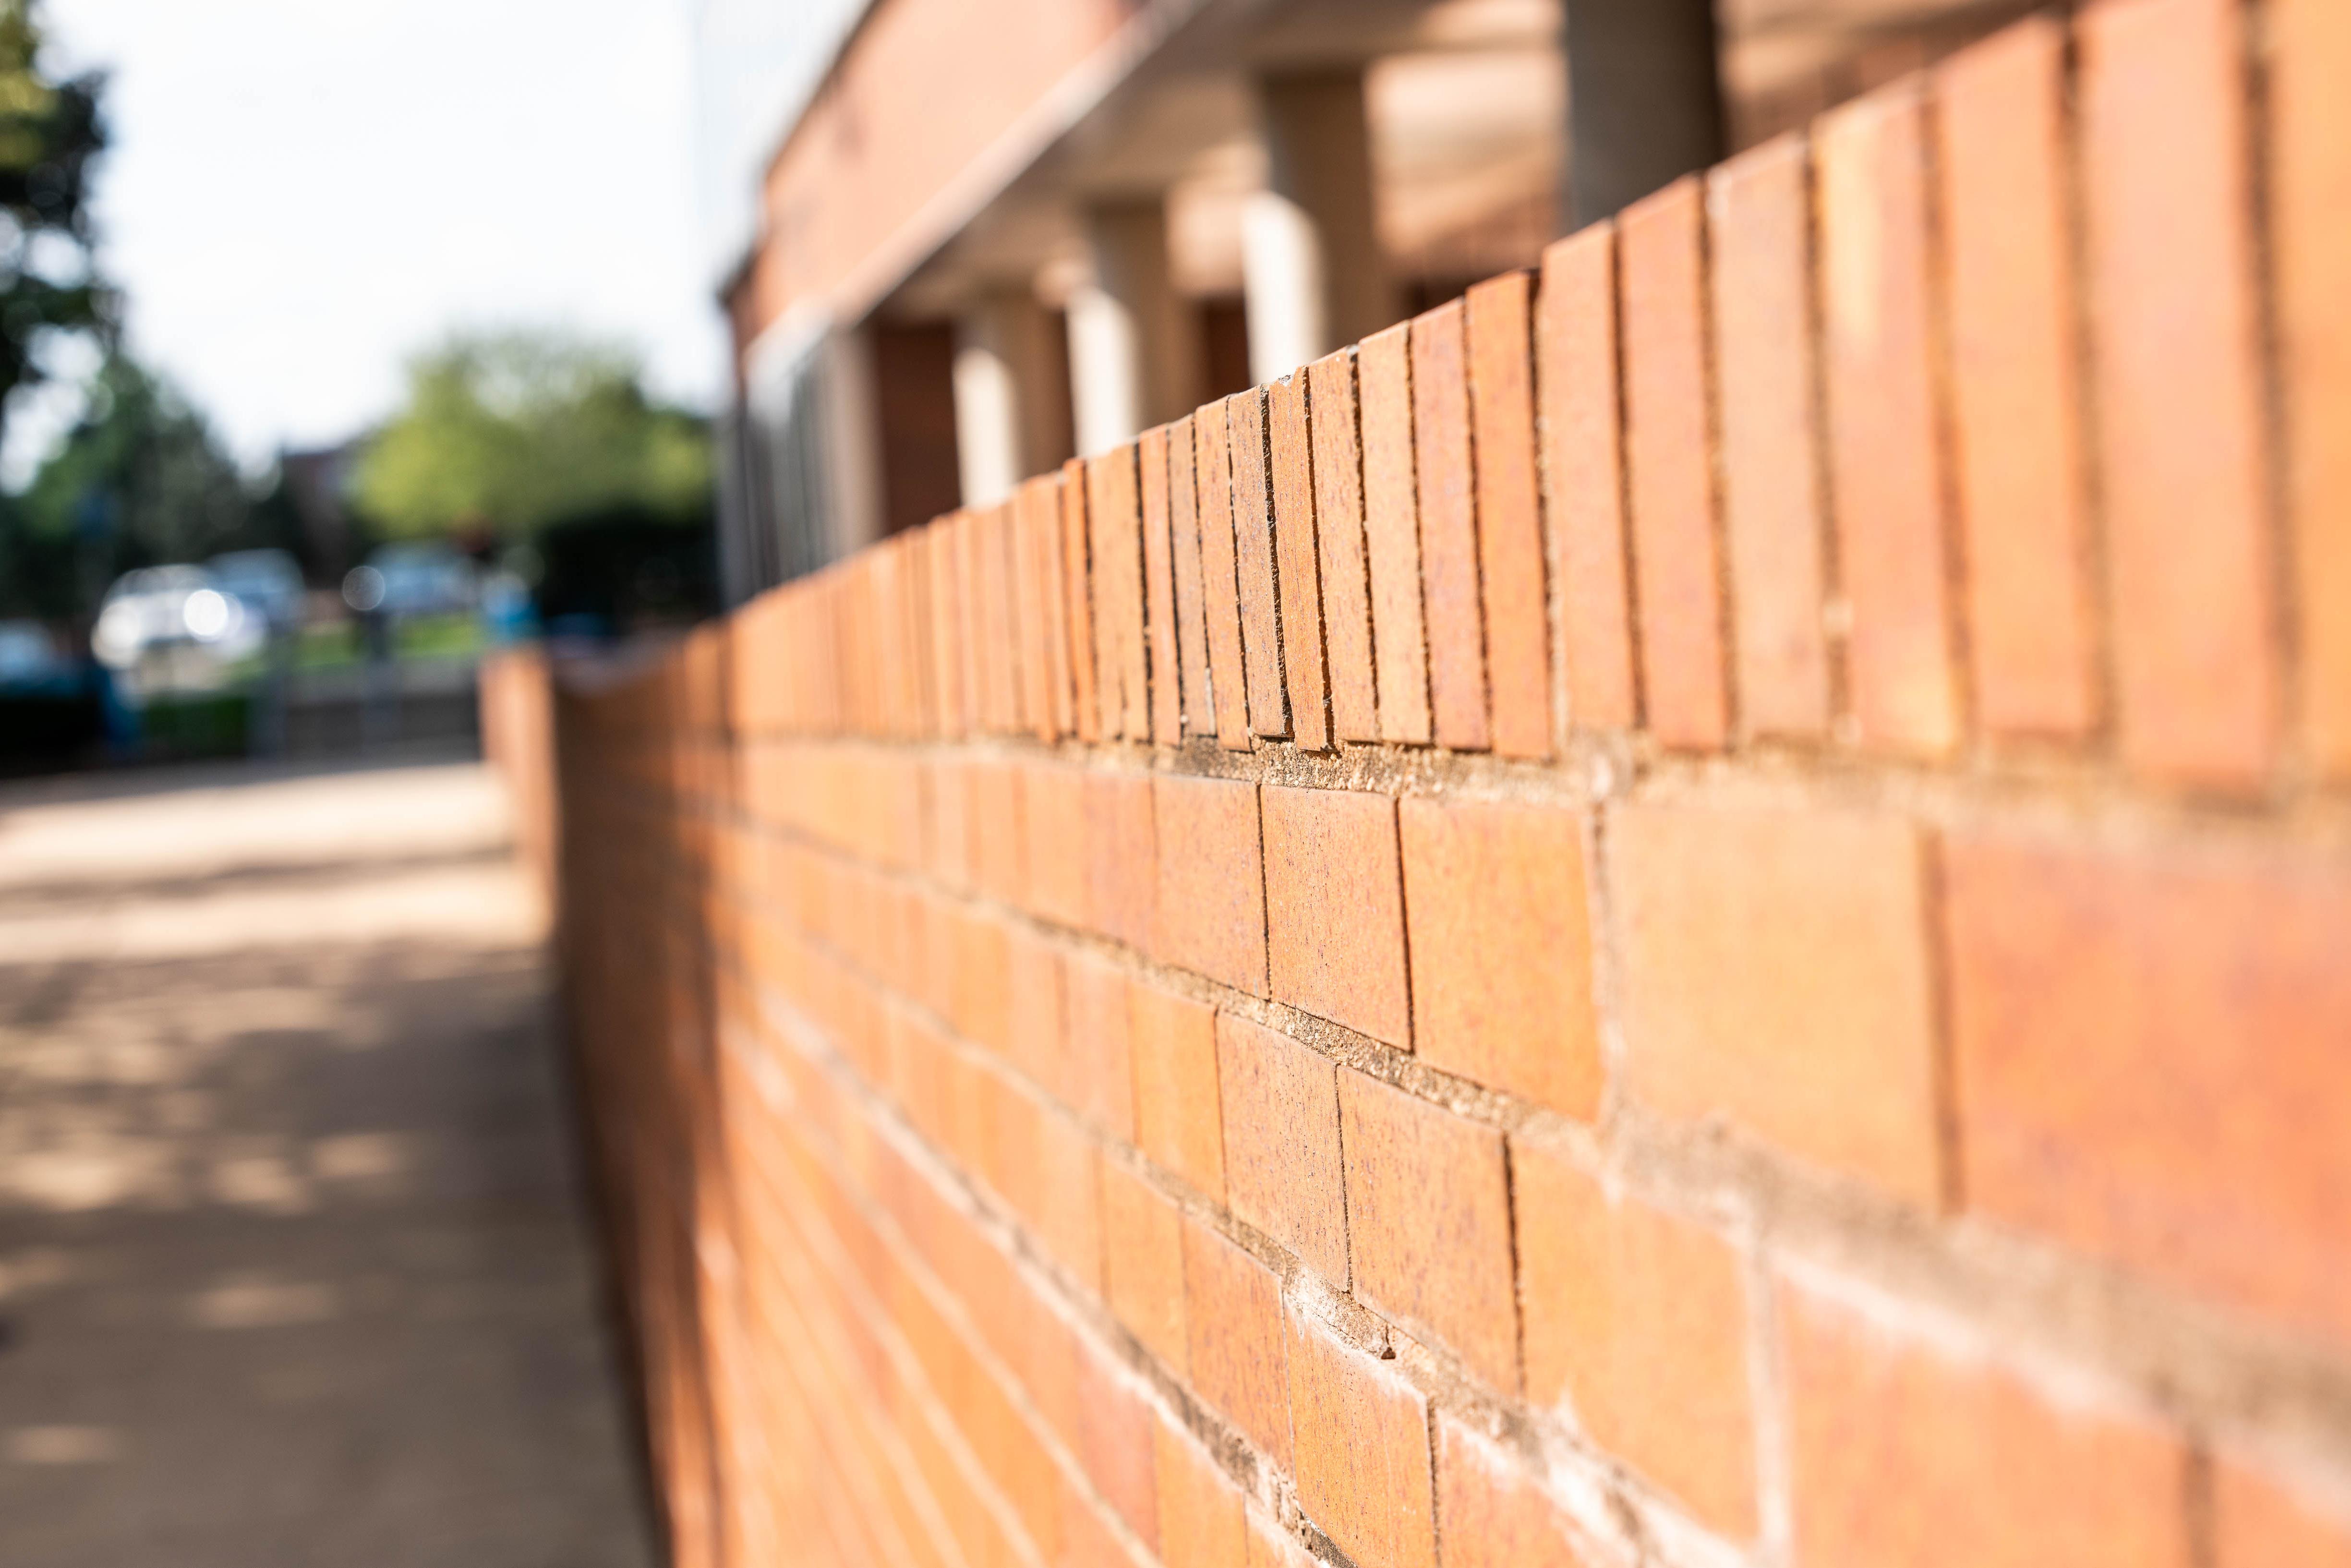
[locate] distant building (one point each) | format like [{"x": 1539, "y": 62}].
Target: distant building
[{"x": 960, "y": 240}]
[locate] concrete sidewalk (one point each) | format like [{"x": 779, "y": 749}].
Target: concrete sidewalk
[{"x": 293, "y": 1265}]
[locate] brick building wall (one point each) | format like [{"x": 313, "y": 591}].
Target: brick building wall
[{"x": 1696, "y": 911}]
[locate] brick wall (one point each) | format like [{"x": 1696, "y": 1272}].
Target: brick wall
[{"x": 1696, "y": 911}]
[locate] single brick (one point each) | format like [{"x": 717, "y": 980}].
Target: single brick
[
  {"x": 1339, "y": 533},
  {"x": 1115, "y": 1445},
  {"x": 983, "y": 695},
  {"x": 1490, "y": 1514},
  {"x": 1099, "y": 1078},
  {"x": 1758, "y": 211},
  {"x": 1240, "y": 1362},
  {"x": 946, "y": 633},
  {"x": 2310, "y": 173},
  {"x": 980, "y": 1008},
  {"x": 1448, "y": 529},
  {"x": 1201, "y": 1523},
  {"x": 1510, "y": 513},
  {"x": 1428, "y": 1222},
  {"x": 1576, "y": 367},
  {"x": 1054, "y": 797},
  {"x": 1670, "y": 467},
  {"x": 1775, "y": 974},
  {"x": 2016, "y": 381},
  {"x": 1220, "y": 575},
  {"x": 1901, "y": 1455},
  {"x": 1282, "y": 1142},
  {"x": 2257, "y": 1524},
  {"x": 2148, "y": 1054},
  {"x": 1122, "y": 856},
  {"x": 1142, "y": 1262},
  {"x": 1363, "y": 1460},
  {"x": 1191, "y": 606},
  {"x": 1114, "y": 521},
  {"x": 999, "y": 848},
  {"x": 1334, "y": 908},
  {"x": 1178, "y": 1118},
  {"x": 996, "y": 632},
  {"x": 1159, "y": 588},
  {"x": 1500, "y": 921},
  {"x": 1209, "y": 915},
  {"x": 1268, "y": 698},
  {"x": 1043, "y": 608},
  {"x": 1392, "y": 535},
  {"x": 1887, "y": 465},
  {"x": 949, "y": 797},
  {"x": 1637, "y": 1319},
  {"x": 1078, "y": 593},
  {"x": 1067, "y": 1213},
  {"x": 2181, "y": 433},
  {"x": 1290, "y": 454}
]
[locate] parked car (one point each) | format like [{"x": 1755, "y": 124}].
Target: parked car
[
  {"x": 405, "y": 580},
  {"x": 159, "y": 608},
  {"x": 269, "y": 582}
]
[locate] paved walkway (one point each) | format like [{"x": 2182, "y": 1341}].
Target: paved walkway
[{"x": 293, "y": 1266}]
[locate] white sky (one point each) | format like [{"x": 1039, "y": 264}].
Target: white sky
[{"x": 303, "y": 193}]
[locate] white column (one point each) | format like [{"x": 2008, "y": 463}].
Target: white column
[
  {"x": 1135, "y": 351},
  {"x": 1312, "y": 270},
  {"x": 1004, "y": 381},
  {"x": 852, "y": 441}
]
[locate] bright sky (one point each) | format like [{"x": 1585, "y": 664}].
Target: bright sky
[{"x": 303, "y": 193}]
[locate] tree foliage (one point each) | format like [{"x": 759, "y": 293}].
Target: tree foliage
[
  {"x": 514, "y": 431},
  {"x": 50, "y": 131}
]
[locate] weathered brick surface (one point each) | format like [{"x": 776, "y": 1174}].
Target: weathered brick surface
[{"x": 1855, "y": 1075}]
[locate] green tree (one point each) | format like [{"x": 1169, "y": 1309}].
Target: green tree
[
  {"x": 50, "y": 131},
  {"x": 137, "y": 481},
  {"x": 517, "y": 430}
]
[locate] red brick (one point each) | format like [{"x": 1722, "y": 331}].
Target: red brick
[
  {"x": 1077, "y": 589},
  {"x": 1220, "y": 576},
  {"x": 1282, "y": 1142},
  {"x": 1201, "y": 1524},
  {"x": 948, "y": 795},
  {"x": 1114, "y": 509},
  {"x": 2016, "y": 381},
  {"x": 999, "y": 630},
  {"x": 1142, "y": 1262},
  {"x": 1209, "y": 914},
  {"x": 1364, "y": 1470},
  {"x": 1334, "y": 908},
  {"x": 1290, "y": 456},
  {"x": 1178, "y": 1118},
  {"x": 1510, "y": 514},
  {"x": 2178, "y": 388},
  {"x": 1676, "y": 570},
  {"x": 2257, "y": 1524},
  {"x": 946, "y": 636},
  {"x": 1886, "y": 468},
  {"x": 1159, "y": 590},
  {"x": 981, "y": 1007},
  {"x": 1066, "y": 1213},
  {"x": 999, "y": 848},
  {"x": 1191, "y": 606},
  {"x": 1115, "y": 1443},
  {"x": 1339, "y": 531},
  {"x": 1054, "y": 796},
  {"x": 1900, "y": 1455},
  {"x": 1759, "y": 209},
  {"x": 2148, "y": 1062},
  {"x": 1576, "y": 359},
  {"x": 1086, "y": 1539},
  {"x": 1269, "y": 698},
  {"x": 1392, "y": 535},
  {"x": 1099, "y": 1077},
  {"x": 1775, "y": 975},
  {"x": 1490, "y": 1515},
  {"x": 2309, "y": 51},
  {"x": 1239, "y": 1361},
  {"x": 1033, "y": 1007},
  {"x": 1499, "y": 919},
  {"x": 1428, "y": 1222},
  {"x": 1448, "y": 529},
  {"x": 1637, "y": 1318},
  {"x": 1122, "y": 858},
  {"x": 1043, "y": 607},
  {"x": 1271, "y": 1547}
]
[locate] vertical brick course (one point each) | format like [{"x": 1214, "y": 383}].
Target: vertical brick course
[
  {"x": 1510, "y": 552},
  {"x": 1255, "y": 564},
  {"x": 1211, "y": 436},
  {"x": 1447, "y": 494},
  {"x": 1339, "y": 533},
  {"x": 1392, "y": 535}
]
